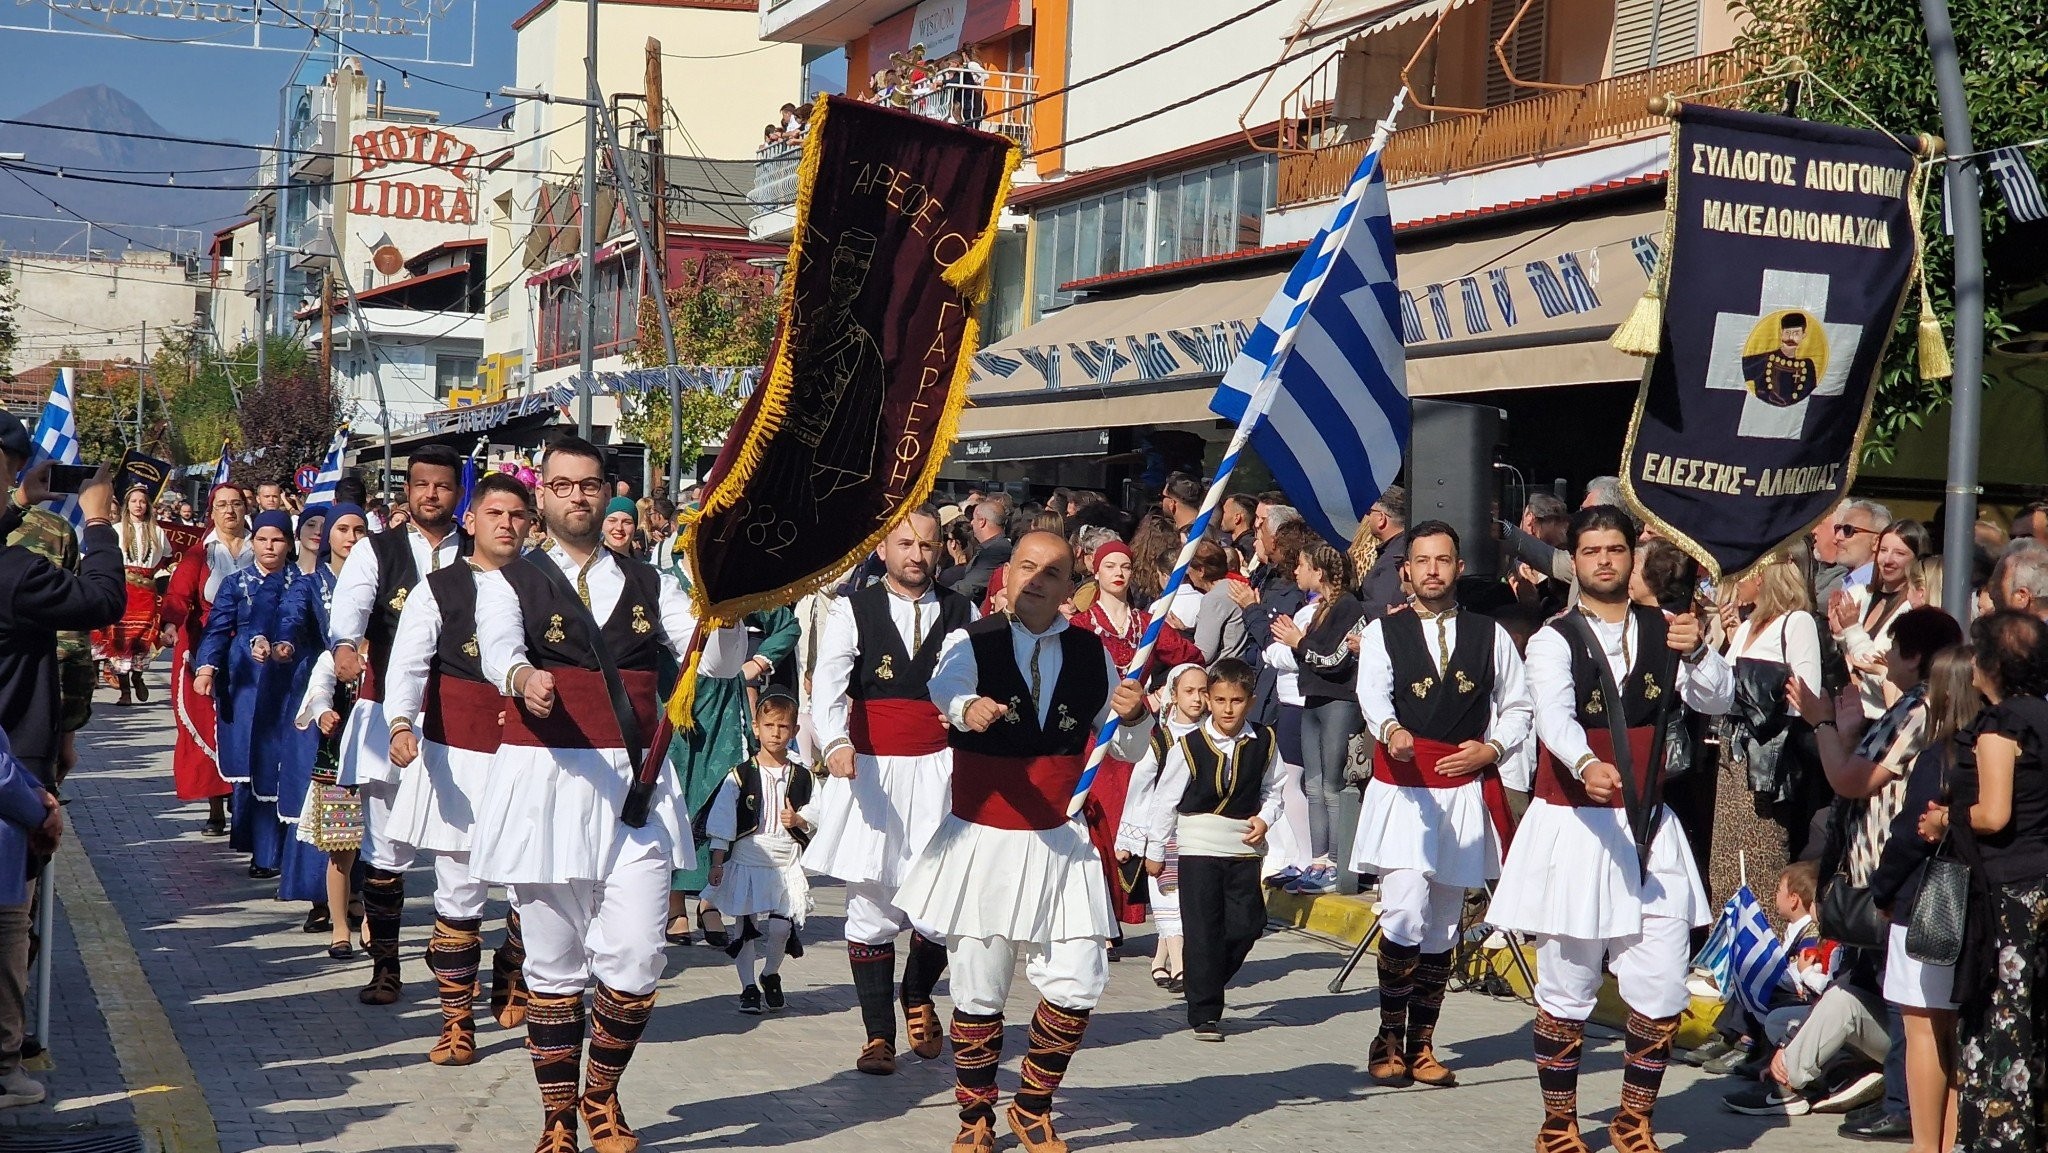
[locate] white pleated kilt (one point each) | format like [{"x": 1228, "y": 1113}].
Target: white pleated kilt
[
  {"x": 436, "y": 797},
  {"x": 763, "y": 878},
  {"x": 550, "y": 816},
  {"x": 1018, "y": 884},
  {"x": 366, "y": 746},
  {"x": 872, "y": 827},
  {"x": 1444, "y": 833},
  {"x": 1572, "y": 873}
]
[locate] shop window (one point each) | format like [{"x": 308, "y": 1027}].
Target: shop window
[{"x": 453, "y": 373}]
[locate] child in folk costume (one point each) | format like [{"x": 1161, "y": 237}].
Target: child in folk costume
[
  {"x": 1186, "y": 704},
  {"x": 757, "y": 837},
  {"x": 195, "y": 762},
  {"x": 1219, "y": 792},
  {"x": 126, "y": 647},
  {"x": 331, "y": 820}
]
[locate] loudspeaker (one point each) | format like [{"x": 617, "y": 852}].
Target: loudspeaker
[{"x": 1451, "y": 454}]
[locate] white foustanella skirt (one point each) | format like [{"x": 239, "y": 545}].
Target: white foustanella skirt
[
  {"x": 549, "y": 816},
  {"x": 764, "y": 876},
  {"x": 436, "y": 797},
  {"x": 1019, "y": 884},
  {"x": 1445, "y": 833},
  {"x": 1572, "y": 872},
  {"x": 872, "y": 827}
]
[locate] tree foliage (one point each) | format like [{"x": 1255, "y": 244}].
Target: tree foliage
[
  {"x": 288, "y": 416},
  {"x": 723, "y": 312},
  {"x": 1875, "y": 53},
  {"x": 10, "y": 335}
]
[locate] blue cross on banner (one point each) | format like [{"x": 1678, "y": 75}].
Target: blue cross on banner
[
  {"x": 1326, "y": 363},
  {"x": 57, "y": 438}
]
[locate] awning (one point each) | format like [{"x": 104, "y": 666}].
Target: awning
[
  {"x": 1516, "y": 308},
  {"x": 1328, "y": 19}
]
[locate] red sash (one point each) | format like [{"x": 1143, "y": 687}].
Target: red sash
[
  {"x": 463, "y": 714},
  {"x": 582, "y": 716},
  {"x": 1014, "y": 792},
  {"x": 1556, "y": 785},
  {"x": 1421, "y": 773},
  {"x": 894, "y": 728},
  {"x": 368, "y": 688}
]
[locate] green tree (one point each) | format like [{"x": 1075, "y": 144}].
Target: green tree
[
  {"x": 104, "y": 409},
  {"x": 723, "y": 312},
  {"x": 1875, "y": 53}
]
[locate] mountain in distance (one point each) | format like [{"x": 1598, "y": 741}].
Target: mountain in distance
[{"x": 176, "y": 218}]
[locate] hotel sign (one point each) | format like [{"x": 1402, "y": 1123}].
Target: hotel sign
[{"x": 411, "y": 151}]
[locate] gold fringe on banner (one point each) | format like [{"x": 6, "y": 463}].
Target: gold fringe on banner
[{"x": 1642, "y": 334}]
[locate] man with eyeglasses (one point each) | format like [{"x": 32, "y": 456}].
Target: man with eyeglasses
[
  {"x": 556, "y": 629},
  {"x": 369, "y": 595}
]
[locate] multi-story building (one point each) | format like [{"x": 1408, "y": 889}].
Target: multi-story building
[{"x": 102, "y": 308}]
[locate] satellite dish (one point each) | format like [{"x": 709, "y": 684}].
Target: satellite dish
[{"x": 388, "y": 260}]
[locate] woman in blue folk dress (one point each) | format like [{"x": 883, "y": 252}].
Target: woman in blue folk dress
[{"x": 233, "y": 665}]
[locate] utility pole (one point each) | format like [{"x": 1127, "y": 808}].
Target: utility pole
[
  {"x": 1966, "y": 386},
  {"x": 587, "y": 307},
  {"x": 141, "y": 382},
  {"x": 657, "y": 196},
  {"x": 327, "y": 328}
]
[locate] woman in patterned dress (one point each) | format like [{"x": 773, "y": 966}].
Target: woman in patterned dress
[{"x": 126, "y": 647}]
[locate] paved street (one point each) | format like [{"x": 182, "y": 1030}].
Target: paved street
[{"x": 286, "y": 1059}]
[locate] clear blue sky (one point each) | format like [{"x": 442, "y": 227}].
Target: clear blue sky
[{"x": 224, "y": 93}]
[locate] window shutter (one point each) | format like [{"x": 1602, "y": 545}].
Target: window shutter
[
  {"x": 1648, "y": 33},
  {"x": 1525, "y": 51}
]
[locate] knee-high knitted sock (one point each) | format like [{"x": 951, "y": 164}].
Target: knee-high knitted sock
[
  {"x": 977, "y": 1050},
  {"x": 554, "y": 1039},
  {"x": 1397, "y": 981},
  {"x": 874, "y": 974},
  {"x": 508, "y": 982},
  {"x": 383, "y": 907},
  {"x": 1649, "y": 1050},
  {"x": 922, "y": 970},
  {"x": 617, "y": 1020},
  {"x": 1055, "y": 1038},
  {"x": 1558, "y": 1042},
  {"x": 453, "y": 954},
  {"x": 1426, "y": 1003}
]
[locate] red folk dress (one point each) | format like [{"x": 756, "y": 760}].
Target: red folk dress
[
  {"x": 195, "y": 763},
  {"x": 131, "y": 642}
]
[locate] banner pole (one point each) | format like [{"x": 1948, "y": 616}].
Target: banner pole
[
  {"x": 1958, "y": 542},
  {"x": 1254, "y": 412}
]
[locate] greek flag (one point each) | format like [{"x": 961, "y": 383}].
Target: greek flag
[
  {"x": 57, "y": 438},
  {"x": 330, "y": 469},
  {"x": 1325, "y": 368},
  {"x": 220, "y": 467},
  {"x": 469, "y": 474},
  {"x": 1716, "y": 957},
  {"x": 2018, "y": 184},
  {"x": 1757, "y": 959}
]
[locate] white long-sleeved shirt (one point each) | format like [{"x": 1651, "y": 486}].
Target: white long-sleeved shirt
[
  {"x": 1706, "y": 685},
  {"x": 1208, "y": 834},
  {"x": 1281, "y": 659},
  {"x": 355, "y": 587},
  {"x": 1511, "y": 713},
  {"x": 839, "y": 653},
  {"x": 1148, "y": 777},
  {"x": 722, "y": 823},
  {"x": 223, "y": 562},
  {"x": 1793, "y": 640},
  {"x": 501, "y": 626},
  {"x": 957, "y": 678}
]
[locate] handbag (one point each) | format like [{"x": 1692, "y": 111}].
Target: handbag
[
  {"x": 1358, "y": 758},
  {"x": 1934, "y": 934},
  {"x": 1131, "y": 874},
  {"x": 1848, "y": 914}
]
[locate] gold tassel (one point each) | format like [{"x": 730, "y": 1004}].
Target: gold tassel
[
  {"x": 1934, "y": 360},
  {"x": 1642, "y": 333},
  {"x": 682, "y": 704}
]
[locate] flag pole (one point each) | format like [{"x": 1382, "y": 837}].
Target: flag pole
[{"x": 1255, "y": 411}]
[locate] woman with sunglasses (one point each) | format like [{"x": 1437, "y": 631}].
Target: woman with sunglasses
[{"x": 1861, "y": 619}]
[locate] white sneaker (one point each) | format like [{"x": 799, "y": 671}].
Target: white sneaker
[{"x": 18, "y": 1088}]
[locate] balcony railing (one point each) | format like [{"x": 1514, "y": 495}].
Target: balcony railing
[
  {"x": 775, "y": 168},
  {"x": 1606, "y": 111},
  {"x": 1000, "y": 102}
]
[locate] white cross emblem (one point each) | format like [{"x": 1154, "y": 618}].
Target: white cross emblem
[{"x": 1808, "y": 292}]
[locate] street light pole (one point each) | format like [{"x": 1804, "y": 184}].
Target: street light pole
[
  {"x": 1966, "y": 389},
  {"x": 585, "y": 355}
]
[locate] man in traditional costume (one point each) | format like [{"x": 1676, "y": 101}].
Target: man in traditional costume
[
  {"x": 1444, "y": 694},
  {"x": 1008, "y": 872},
  {"x": 890, "y": 783},
  {"x": 368, "y": 598},
  {"x": 436, "y": 675},
  {"x": 1600, "y": 868},
  {"x": 573, "y": 635}
]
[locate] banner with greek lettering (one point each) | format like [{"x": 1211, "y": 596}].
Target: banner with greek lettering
[
  {"x": 1792, "y": 247},
  {"x": 895, "y": 231}
]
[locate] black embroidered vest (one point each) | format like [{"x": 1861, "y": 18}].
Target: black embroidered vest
[
  {"x": 555, "y": 633},
  {"x": 1079, "y": 694},
  {"x": 882, "y": 670},
  {"x": 748, "y": 809},
  {"x": 1452, "y": 706},
  {"x": 397, "y": 573},
  {"x": 457, "y": 655},
  {"x": 1208, "y": 792},
  {"x": 1653, "y": 673}
]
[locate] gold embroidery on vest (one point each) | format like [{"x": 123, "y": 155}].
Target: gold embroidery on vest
[
  {"x": 1422, "y": 687},
  {"x": 1650, "y": 690},
  {"x": 1012, "y": 716},
  {"x": 1594, "y": 704},
  {"x": 1465, "y": 684},
  {"x": 640, "y": 622},
  {"x": 1067, "y": 721},
  {"x": 555, "y": 635},
  {"x": 884, "y": 672},
  {"x": 398, "y": 600},
  {"x": 470, "y": 649}
]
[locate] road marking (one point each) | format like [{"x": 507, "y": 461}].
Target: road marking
[{"x": 170, "y": 1108}]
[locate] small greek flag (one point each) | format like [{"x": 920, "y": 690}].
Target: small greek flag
[
  {"x": 57, "y": 438},
  {"x": 1324, "y": 377},
  {"x": 1757, "y": 959},
  {"x": 2018, "y": 184},
  {"x": 330, "y": 469},
  {"x": 469, "y": 472},
  {"x": 220, "y": 467},
  {"x": 1716, "y": 955}
]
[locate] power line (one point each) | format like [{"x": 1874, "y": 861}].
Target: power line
[
  {"x": 1155, "y": 54},
  {"x": 1226, "y": 86}
]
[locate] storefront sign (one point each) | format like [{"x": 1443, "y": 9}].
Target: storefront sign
[
  {"x": 417, "y": 151},
  {"x": 937, "y": 26}
]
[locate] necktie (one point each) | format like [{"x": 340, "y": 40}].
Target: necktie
[
  {"x": 583, "y": 579},
  {"x": 1036, "y": 648},
  {"x": 916, "y": 624}
]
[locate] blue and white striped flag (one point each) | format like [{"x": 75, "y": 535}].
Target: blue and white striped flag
[
  {"x": 1716, "y": 956},
  {"x": 57, "y": 438},
  {"x": 1325, "y": 368},
  {"x": 220, "y": 467},
  {"x": 330, "y": 469},
  {"x": 1757, "y": 958}
]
